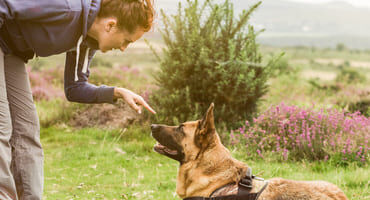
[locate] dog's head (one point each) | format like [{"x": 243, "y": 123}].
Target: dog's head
[
  {"x": 205, "y": 164},
  {"x": 185, "y": 142}
]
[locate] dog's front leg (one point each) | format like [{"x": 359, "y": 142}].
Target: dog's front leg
[{"x": 180, "y": 187}]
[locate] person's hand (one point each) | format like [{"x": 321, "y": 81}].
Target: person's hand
[{"x": 135, "y": 101}]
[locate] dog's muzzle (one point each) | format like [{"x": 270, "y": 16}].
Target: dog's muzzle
[{"x": 163, "y": 147}]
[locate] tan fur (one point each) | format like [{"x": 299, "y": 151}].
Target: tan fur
[
  {"x": 210, "y": 166},
  {"x": 216, "y": 168}
]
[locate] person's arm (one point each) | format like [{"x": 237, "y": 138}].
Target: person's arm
[{"x": 76, "y": 87}]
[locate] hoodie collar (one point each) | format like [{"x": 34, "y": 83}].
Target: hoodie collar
[{"x": 90, "y": 11}]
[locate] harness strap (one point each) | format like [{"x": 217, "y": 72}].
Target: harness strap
[
  {"x": 245, "y": 186},
  {"x": 250, "y": 196}
]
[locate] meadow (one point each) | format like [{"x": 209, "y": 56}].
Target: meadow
[
  {"x": 105, "y": 151},
  {"x": 94, "y": 163}
]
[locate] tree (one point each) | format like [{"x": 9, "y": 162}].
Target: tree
[{"x": 210, "y": 57}]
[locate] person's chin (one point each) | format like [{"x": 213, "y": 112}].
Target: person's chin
[{"x": 104, "y": 49}]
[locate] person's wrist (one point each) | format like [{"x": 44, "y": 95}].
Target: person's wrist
[{"x": 116, "y": 92}]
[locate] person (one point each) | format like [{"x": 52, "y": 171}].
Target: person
[{"x": 43, "y": 28}]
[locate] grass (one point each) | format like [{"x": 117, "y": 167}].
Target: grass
[
  {"x": 91, "y": 163},
  {"x": 120, "y": 164}
]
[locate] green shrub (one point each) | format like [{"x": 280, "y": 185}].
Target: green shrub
[
  {"x": 329, "y": 87},
  {"x": 341, "y": 47},
  {"x": 350, "y": 76},
  {"x": 210, "y": 57},
  {"x": 282, "y": 67},
  {"x": 363, "y": 106},
  {"x": 353, "y": 98}
]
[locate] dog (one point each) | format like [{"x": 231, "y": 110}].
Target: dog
[{"x": 207, "y": 169}]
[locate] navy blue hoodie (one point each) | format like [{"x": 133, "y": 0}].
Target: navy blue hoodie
[{"x": 31, "y": 28}]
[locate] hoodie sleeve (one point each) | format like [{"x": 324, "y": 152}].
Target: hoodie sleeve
[
  {"x": 76, "y": 87},
  {"x": 38, "y": 11}
]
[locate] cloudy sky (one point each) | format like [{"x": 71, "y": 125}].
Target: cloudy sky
[
  {"x": 353, "y": 2},
  {"x": 359, "y": 3}
]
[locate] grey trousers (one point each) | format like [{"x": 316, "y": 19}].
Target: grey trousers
[{"x": 21, "y": 154}]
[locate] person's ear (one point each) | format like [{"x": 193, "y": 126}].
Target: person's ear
[{"x": 110, "y": 24}]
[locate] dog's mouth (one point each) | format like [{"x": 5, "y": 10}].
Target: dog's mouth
[
  {"x": 167, "y": 143},
  {"x": 171, "y": 153},
  {"x": 159, "y": 148}
]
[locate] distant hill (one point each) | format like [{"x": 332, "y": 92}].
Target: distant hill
[
  {"x": 323, "y": 25},
  {"x": 289, "y": 23}
]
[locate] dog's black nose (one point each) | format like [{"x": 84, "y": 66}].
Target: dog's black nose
[{"x": 154, "y": 127}]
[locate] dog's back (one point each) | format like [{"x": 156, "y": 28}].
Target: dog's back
[{"x": 279, "y": 189}]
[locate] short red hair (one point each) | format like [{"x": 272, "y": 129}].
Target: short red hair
[{"x": 131, "y": 14}]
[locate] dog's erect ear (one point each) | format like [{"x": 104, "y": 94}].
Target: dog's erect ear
[
  {"x": 208, "y": 122},
  {"x": 206, "y": 129}
]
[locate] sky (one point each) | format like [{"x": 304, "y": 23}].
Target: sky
[{"x": 360, "y": 3}]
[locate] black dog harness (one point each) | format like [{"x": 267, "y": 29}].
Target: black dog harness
[{"x": 244, "y": 188}]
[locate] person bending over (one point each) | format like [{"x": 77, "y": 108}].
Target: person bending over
[{"x": 46, "y": 27}]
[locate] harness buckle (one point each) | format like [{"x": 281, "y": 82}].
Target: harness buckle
[{"x": 246, "y": 183}]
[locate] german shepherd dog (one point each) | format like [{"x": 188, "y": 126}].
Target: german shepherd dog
[{"x": 208, "y": 170}]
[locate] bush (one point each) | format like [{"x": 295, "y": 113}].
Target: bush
[
  {"x": 354, "y": 98},
  {"x": 350, "y": 76},
  {"x": 282, "y": 67},
  {"x": 295, "y": 133},
  {"x": 210, "y": 57},
  {"x": 330, "y": 88},
  {"x": 341, "y": 47},
  {"x": 362, "y": 106}
]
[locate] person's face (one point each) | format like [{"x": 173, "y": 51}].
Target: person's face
[{"x": 113, "y": 37}]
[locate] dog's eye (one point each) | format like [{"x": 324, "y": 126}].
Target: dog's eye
[{"x": 180, "y": 127}]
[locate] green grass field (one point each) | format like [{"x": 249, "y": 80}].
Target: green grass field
[{"x": 120, "y": 164}]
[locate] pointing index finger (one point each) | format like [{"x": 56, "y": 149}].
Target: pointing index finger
[{"x": 146, "y": 105}]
